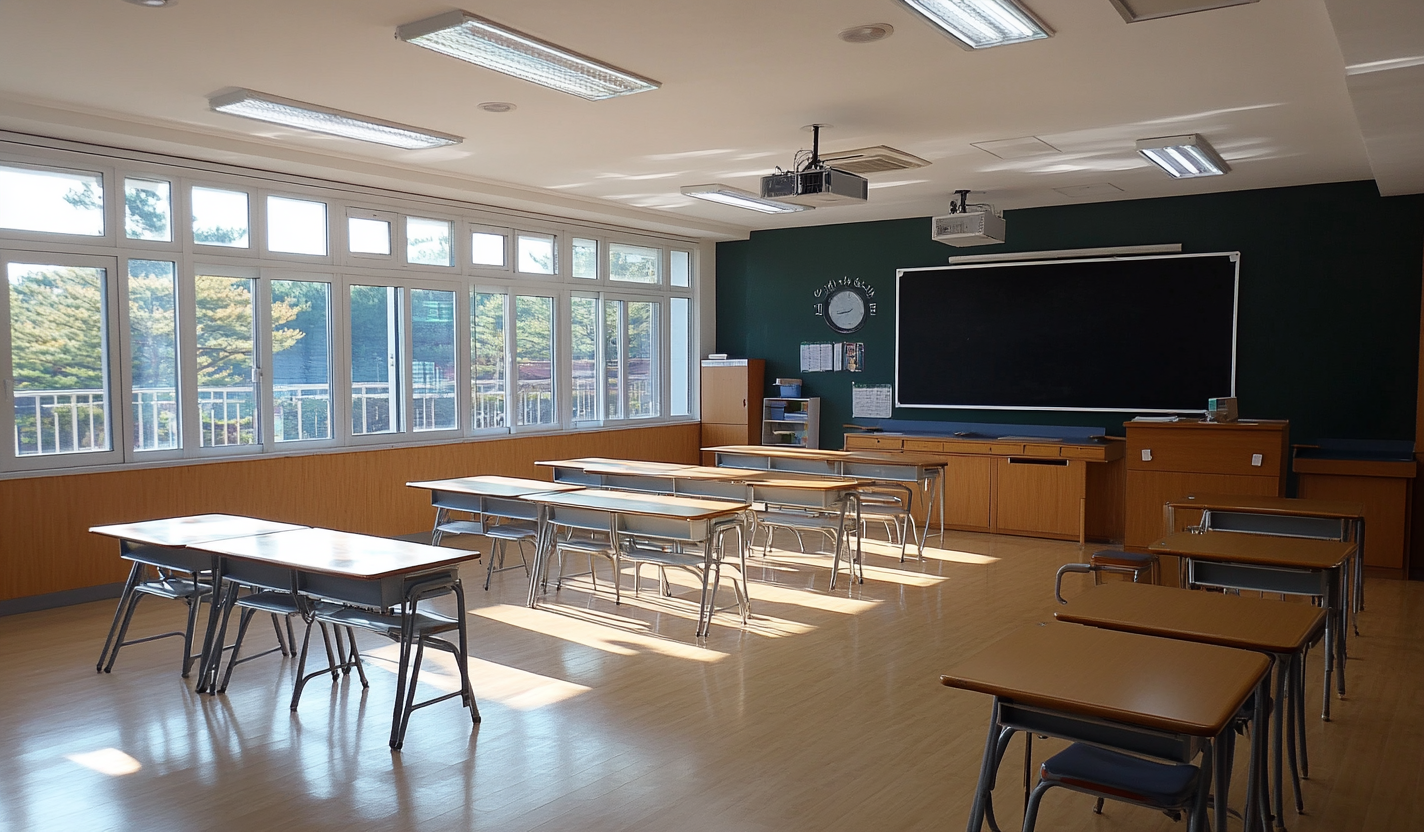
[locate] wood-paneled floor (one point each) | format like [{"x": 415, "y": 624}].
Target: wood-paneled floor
[{"x": 825, "y": 713}]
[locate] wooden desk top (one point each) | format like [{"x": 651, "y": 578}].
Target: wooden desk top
[
  {"x": 636, "y": 468},
  {"x": 1170, "y": 685},
  {"x": 919, "y": 460},
  {"x": 1289, "y": 506},
  {"x": 196, "y": 528},
  {"x": 340, "y": 553},
  {"x": 491, "y": 486},
  {"x": 652, "y": 505},
  {"x": 1207, "y": 617},
  {"x": 1258, "y": 549},
  {"x": 584, "y": 463},
  {"x": 801, "y": 482}
]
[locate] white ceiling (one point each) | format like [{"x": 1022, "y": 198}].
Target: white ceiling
[{"x": 1266, "y": 83}]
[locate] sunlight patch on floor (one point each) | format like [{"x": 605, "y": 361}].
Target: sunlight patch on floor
[
  {"x": 492, "y": 682},
  {"x": 110, "y": 761},
  {"x": 586, "y": 628}
]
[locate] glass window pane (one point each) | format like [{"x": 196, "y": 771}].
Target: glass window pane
[
  {"x": 634, "y": 264},
  {"x": 148, "y": 210},
  {"x": 220, "y": 217},
  {"x": 301, "y": 360},
  {"x": 487, "y": 248},
  {"x": 57, "y": 201},
  {"x": 585, "y": 258},
  {"x": 534, "y": 360},
  {"x": 153, "y": 348},
  {"x": 536, "y": 254},
  {"x": 612, "y": 359},
  {"x": 296, "y": 226},
  {"x": 367, "y": 236},
  {"x": 432, "y": 379},
  {"x": 680, "y": 354},
  {"x": 488, "y": 359},
  {"x": 642, "y": 381},
  {"x": 226, "y": 360},
  {"x": 427, "y": 242},
  {"x": 57, "y": 333},
  {"x": 375, "y": 359},
  {"x": 681, "y": 268},
  {"x": 583, "y": 343}
]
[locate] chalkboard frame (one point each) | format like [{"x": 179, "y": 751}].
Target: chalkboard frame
[{"x": 1214, "y": 267}]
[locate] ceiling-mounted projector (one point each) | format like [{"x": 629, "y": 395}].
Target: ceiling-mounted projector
[
  {"x": 815, "y": 183},
  {"x": 967, "y": 225}
]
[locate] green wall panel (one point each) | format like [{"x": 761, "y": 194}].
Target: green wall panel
[{"x": 1328, "y": 328}]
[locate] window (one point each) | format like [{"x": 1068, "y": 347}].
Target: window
[
  {"x": 148, "y": 210},
  {"x": 489, "y": 360},
  {"x": 220, "y": 218},
  {"x": 585, "y": 258},
  {"x": 54, "y": 201},
  {"x": 427, "y": 242},
  {"x": 680, "y": 268},
  {"x": 583, "y": 344},
  {"x": 368, "y": 233},
  {"x": 301, "y": 360},
  {"x": 534, "y": 360},
  {"x": 58, "y": 329},
  {"x": 633, "y": 264},
  {"x": 680, "y": 356},
  {"x": 296, "y": 226},
  {"x": 153, "y": 354},
  {"x": 642, "y": 367},
  {"x": 487, "y": 248},
  {"x": 375, "y": 360},
  {"x": 536, "y": 254},
  {"x": 226, "y": 360},
  {"x": 432, "y": 379}
]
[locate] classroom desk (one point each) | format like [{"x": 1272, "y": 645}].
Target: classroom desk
[
  {"x": 162, "y": 544},
  {"x": 1161, "y": 698},
  {"x": 1265, "y": 563},
  {"x": 686, "y": 521},
  {"x": 881, "y": 468},
  {"x": 1323, "y": 514},
  {"x": 374, "y": 573},
  {"x": 1285, "y": 631}
]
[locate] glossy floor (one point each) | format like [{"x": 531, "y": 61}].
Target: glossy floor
[{"x": 824, "y": 713}]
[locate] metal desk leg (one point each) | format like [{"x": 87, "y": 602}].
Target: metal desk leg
[
  {"x": 1282, "y": 670},
  {"x": 543, "y": 544},
  {"x": 1221, "y": 779},
  {"x": 1360, "y": 567},
  {"x": 986, "y": 771},
  {"x": 209, "y": 662},
  {"x": 1342, "y": 629},
  {"x": 125, "y": 599}
]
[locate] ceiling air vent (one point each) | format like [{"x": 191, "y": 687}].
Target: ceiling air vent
[{"x": 878, "y": 159}]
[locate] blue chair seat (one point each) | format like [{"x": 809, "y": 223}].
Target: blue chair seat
[{"x": 1097, "y": 770}]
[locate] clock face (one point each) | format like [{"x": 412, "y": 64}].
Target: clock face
[{"x": 845, "y": 309}]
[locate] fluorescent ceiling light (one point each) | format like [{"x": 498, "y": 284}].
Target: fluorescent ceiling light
[
  {"x": 1136, "y": 10},
  {"x": 1184, "y": 157},
  {"x": 979, "y": 24},
  {"x": 485, "y": 43},
  {"x": 738, "y": 198},
  {"x": 289, "y": 113}
]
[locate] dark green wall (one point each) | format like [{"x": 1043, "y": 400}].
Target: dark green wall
[{"x": 1328, "y": 332}]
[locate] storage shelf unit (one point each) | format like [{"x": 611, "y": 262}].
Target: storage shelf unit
[
  {"x": 792, "y": 422},
  {"x": 731, "y": 402}
]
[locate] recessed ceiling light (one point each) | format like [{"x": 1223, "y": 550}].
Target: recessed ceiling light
[
  {"x": 738, "y": 198},
  {"x": 153, "y": 4},
  {"x": 497, "y": 107},
  {"x": 1184, "y": 157},
  {"x": 289, "y": 113},
  {"x": 1017, "y": 148},
  {"x": 1096, "y": 189},
  {"x": 980, "y": 24},
  {"x": 485, "y": 43},
  {"x": 1135, "y": 10},
  {"x": 869, "y": 33}
]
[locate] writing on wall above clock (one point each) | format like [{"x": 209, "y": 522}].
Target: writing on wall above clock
[{"x": 845, "y": 303}]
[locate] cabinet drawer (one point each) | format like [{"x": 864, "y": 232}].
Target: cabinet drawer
[
  {"x": 1042, "y": 450},
  {"x": 1206, "y": 450},
  {"x": 1006, "y": 449},
  {"x": 960, "y": 447},
  {"x": 879, "y": 443},
  {"x": 932, "y": 446},
  {"x": 1077, "y": 452}
]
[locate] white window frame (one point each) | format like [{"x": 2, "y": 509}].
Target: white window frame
[
  {"x": 457, "y": 248},
  {"x": 291, "y": 256},
  {"x": 256, "y": 220},
  {"x": 335, "y": 334},
  {"x": 366, "y": 259},
  {"x": 478, "y": 269}
]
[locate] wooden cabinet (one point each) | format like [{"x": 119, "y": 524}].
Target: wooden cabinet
[
  {"x": 1166, "y": 460},
  {"x": 731, "y": 402},
  {"x": 1064, "y": 490},
  {"x": 1384, "y": 488}
]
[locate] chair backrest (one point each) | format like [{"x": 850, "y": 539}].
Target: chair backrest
[{"x": 1279, "y": 525}]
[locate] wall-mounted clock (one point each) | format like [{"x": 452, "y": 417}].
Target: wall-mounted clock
[{"x": 845, "y": 303}]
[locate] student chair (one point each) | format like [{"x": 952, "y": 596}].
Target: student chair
[{"x": 1171, "y": 788}]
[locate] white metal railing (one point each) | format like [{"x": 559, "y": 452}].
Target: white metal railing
[{"x": 60, "y": 422}]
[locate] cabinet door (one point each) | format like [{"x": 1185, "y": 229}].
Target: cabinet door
[
  {"x": 966, "y": 497},
  {"x": 1039, "y": 497},
  {"x": 724, "y": 396}
]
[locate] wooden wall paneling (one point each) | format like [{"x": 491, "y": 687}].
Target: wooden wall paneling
[
  {"x": 45, "y": 545},
  {"x": 1039, "y": 497}
]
